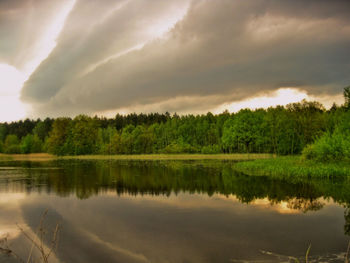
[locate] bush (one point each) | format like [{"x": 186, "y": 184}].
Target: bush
[
  {"x": 329, "y": 147},
  {"x": 13, "y": 149},
  {"x": 211, "y": 149},
  {"x": 180, "y": 148}
]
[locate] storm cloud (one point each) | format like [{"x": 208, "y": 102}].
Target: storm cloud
[{"x": 114, "y": 55}]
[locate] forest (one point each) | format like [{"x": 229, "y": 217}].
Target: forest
[{"x": 299, "y": 128}]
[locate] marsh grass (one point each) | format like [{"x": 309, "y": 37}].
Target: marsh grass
[
  {"x": 293, "y": 167},
  {"x": 237, "y": 157},
  {"x": 49, "y": 157},
  {"x": 35, "y": 157}
]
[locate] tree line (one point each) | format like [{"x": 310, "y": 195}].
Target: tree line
[{"x": 304, "y": 126}]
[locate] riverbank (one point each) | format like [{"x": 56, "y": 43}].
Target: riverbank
[
  {"x": 293, "y": 167},
  {"x": 184, "y": 157},
  {"x": 33, "y": 157},
  {"x": 48, "y": 157},
  {"x": 251, "y": 164}
]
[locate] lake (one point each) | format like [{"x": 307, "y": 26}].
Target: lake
[{"x": 171, "y": 211}]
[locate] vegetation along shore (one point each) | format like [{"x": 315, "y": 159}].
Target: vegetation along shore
[{"x": 306, "y": 128}]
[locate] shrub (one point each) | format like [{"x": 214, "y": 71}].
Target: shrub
[
  {"x": 180, "y": 148},
  {"x": 211, "y": 149},
  {"x": 329, "y": 147}
]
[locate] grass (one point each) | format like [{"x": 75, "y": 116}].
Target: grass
[
  {"x": 293, "y": 167},
  {"x": 49, "y": 157},
  {"x": 238, "y": 157},
  {"x": 27, "y": 157}
]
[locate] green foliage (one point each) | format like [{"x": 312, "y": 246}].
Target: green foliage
[
  {"x": 126, "y": 140},
  {"x": 11, "y": 144},
  {"x": 42, "y": 129},
  {"x": 114, "y": 146},
  {"x": 280, "y": 130},
  {"x": 211, "y": 149},
  {"x": 179, "y": 148},
  {"x": 58, "y": 136},
  {"x": 107, "y": 141},
  {"x": 245, "y": 132},
  {"x": 31, "y": 144},
  {"x": 82, "y": 136},
  {"x": 3, "y": 132},
  {"x": 1, "y": 147},
  {"x": 143, "y": 140},
  {"x": 329, "y": 147},
  {"x": 346, "y": 94}
]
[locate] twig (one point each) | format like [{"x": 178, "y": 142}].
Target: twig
[{"x": 38, "y": 244}]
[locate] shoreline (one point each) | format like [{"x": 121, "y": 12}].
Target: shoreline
[
  {"x": 49, "y": 157},
  {"x": 283, "y": 167}
]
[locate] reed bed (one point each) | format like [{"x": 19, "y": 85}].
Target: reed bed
[{"x": 293, "y": 167}]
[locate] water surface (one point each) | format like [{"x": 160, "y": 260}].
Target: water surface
[{"x": 172, "y": 211}]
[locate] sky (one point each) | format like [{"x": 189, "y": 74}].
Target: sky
[{"x": 70, "y": 57}]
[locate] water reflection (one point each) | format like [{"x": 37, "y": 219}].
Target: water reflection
[
  {"x": 88, "y": 178},
  {"x": 176, "y": 211}
]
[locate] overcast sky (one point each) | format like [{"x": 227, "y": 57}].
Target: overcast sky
[{"x": 66, "y": 57}]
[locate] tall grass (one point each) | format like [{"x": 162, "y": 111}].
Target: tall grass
[
  {"x": 294, "y": 167},
  {"x": 237, "y": 157},
  {"x": 48, "y": 157}
]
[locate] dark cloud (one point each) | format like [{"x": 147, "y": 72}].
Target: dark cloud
[
  {"x": 223, "y": 49},
  {"x": 93, "y": 32}
]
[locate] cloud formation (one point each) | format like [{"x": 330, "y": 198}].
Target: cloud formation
[
  {"x": 23, "y": 24},
  {"x": 115, "y": 54}
]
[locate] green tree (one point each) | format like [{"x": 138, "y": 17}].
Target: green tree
[
  {"x": 106, "y": 142},
  {"x": 282, "y": 129},
  {"x": 346, "y": 94},
  {"x": 3, "y": 132},
  {"x": 143, "y": 140},
  {"x": 126, "y": 140},
  {"x": 11, "y": 144},
  {"x": 83, "y": 135},
  {"x": 58, "y": 136},
  {"x": 309, "y": 123},
  {"x": 42, "y": 128},
  {"x": 31, "y": 144},
  {"x": 244, "y": 132},
  {"x": 115, "y": 143}
]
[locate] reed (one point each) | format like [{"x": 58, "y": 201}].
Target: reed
[
  {"x": 293, "y": 167},
  {"x": 37, "y": 243}
]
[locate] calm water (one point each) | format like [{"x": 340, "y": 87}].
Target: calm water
[{"x": 114, "y": 211}]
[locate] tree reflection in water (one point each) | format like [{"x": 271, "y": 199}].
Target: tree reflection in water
[{"x": 87, "y": 178}]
